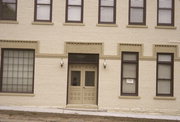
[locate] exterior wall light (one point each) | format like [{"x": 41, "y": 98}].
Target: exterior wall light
[
  {"x": 104, "y": 64},
  {"x": 61, "y": 63}
]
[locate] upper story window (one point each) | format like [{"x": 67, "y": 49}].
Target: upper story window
[
  {"x": 17, "y": 71},
  {"x": 137, "y": 12},
  {"x": 43, "y": 10},
  {"x": 129, "y": 73},
  {"x": 74, "y": 11},
  {"x": 107, "y": 11},
  {"x": 165, "y": 12},
  {"x": 164, "y": 83},
  {"x": 8, "y": 9}
]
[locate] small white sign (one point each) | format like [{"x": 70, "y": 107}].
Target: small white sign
[{"x": 130, "y": 81}]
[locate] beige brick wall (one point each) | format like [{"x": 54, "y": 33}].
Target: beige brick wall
[{"x": 51, "y": 79}]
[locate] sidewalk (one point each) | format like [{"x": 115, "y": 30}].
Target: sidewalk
[{"x": 86, "y": 112}]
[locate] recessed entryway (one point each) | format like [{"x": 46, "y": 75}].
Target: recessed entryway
[{"x": 83, "y": 79}]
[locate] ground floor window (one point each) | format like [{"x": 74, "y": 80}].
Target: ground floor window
[
  {"x": 17, "y": 70},
  {"x": 164, "y": 82},
  {"x": 129, "y": 73}
]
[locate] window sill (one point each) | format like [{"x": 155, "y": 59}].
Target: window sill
[
  {"x": 8, "y": 22},
  {"x": 17, "y": 94},
  {"x": 42, "y": 23},
  {"x": 106, "y": 25},
  {"x": 73, "y": 24},
  {"x": 129, "y": 97},
  {"x": 164, "y": 98},
  {"x": 165, "y": 27},
  {"x": 137, "y": 26}
]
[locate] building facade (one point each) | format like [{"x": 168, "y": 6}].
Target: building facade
[{"x": 115, "y": 55}]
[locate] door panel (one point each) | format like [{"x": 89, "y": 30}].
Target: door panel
[{"x": 83, "y": 84}]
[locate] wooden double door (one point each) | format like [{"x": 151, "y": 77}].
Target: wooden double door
[{"x": 82, "y": 85}]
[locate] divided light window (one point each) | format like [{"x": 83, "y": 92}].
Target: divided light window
[
  {"x": 165, "y": 12},
  {"x": 137, "y": 12},
  {"x": 8, "y": 9},
  {"x": 43, "y": 10},
  {"x": 107, "y": 11},
  {"x": 74, "y": 11},
  {"x": 164, "y": 83},
  {"x": 17, "y": 71},
  {"x": 129, "y": 73}
]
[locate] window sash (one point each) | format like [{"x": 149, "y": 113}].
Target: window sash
[
  {"x": 161, "y": 19},
  {"x": 3, "y": 16},
  {"x": 17, "y": 71},
  {"x": 167, "y": 79},
  {"x": 75, "y": 18},
  {"x": 39, "y": 15},
  {"x": 103, "y": 16},
  {"x": 129, "y": 83},
  {"x": 137, "y": 20}
]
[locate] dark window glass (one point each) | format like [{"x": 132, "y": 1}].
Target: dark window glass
[
  {"x": 75, "y": 78},
  {"x": 43, "y": 10},
  {"x": 8, "y": 9},
  {"x": 137, "y": 12},
  {"x": 164, "y": 74},
  {"x": 129, "y": 74},
  {"x": 74, "y": 11},
  {"x": 165, "y": 12},
  {"x": 83, "y": 58},
  {"x": 17, "y": 71},
  {"x": 89, "y": 78},
  {"x": 107, "y": 11}
]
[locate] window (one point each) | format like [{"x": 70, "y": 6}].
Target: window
[
  {"x": 164, "y": 83},
  {"x": 43, "y": 10},
  {"x": 17, "y": 71},
  {"x": 165, "y": 12},
  {"x": 107, "y": 11},
  {"x": 74, "y": 11},
  {"x": 137, "y": 12},
  {"x": 8, "y": 9},
  {"x": 129, "y": 73}
]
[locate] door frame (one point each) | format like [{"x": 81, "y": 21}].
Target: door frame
[{"x": 81, "y": 62}]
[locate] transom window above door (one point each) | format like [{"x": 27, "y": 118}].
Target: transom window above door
[
  {"x": 74, "y": 11},
  {"x": 43, "y": 10},
  {"x": 107, "y": 11}
]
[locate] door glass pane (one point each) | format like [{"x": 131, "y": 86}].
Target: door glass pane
[
  {"x": 74, "y": 2},
  {"x": 107, "y": 2},
  {"x": 129, "y": 71},
  {"x": 43, "y": 12},
  {"x": 136, "y": 15},
  {"x": 164, "y": 58},
  {"x": 129, "y": 57},
  {"x": 165, "y": 3},
  {"x": 75, "y": 78},
  {"x": 164, "y": 87},
  {"x": 90, "y": 78},
  {"x": 137, "y": 3},
  {"x": 74, "y": 13},
  {"x": 129, "y": 86},
  {"x": 9, "y": 11},
  {"x": 43, "y": 1},
  {"x": 164, "y": 71},
  {"x": 164, "y": 16},
  {"x": 107, "y": 14}
]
